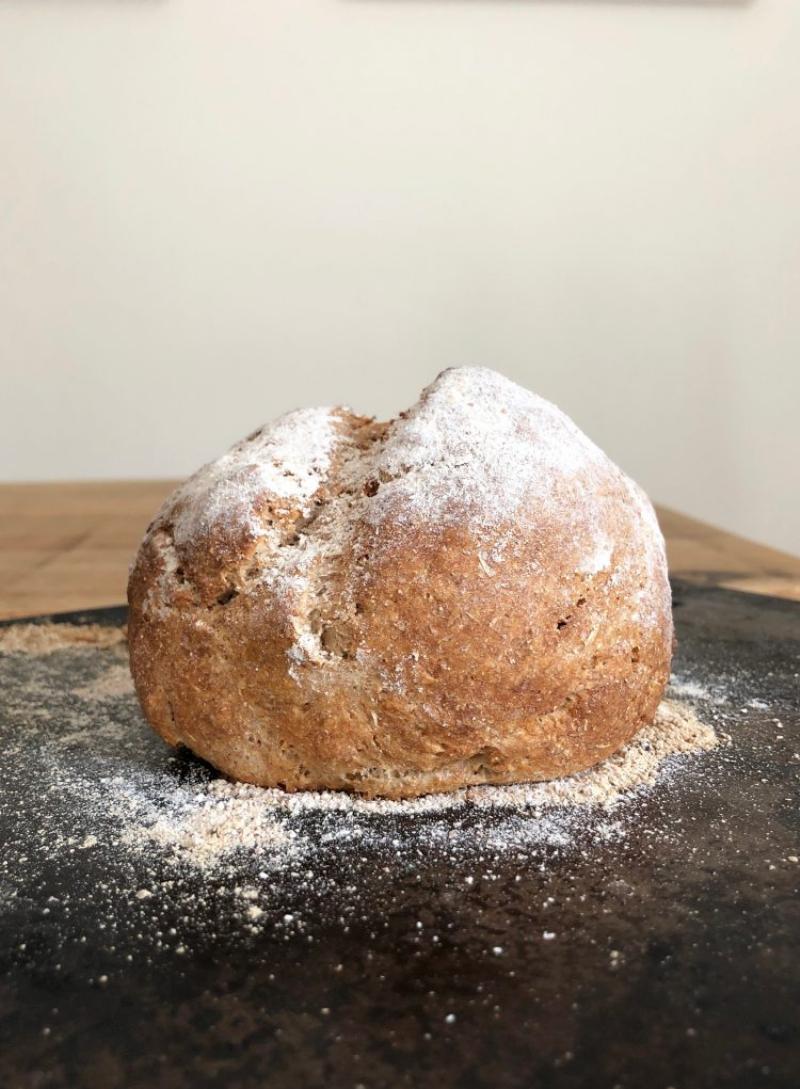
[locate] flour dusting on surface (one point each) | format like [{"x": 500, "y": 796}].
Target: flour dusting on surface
[
  {"x": 47, "y": 638},
  {"x": 206, "y": 821},
  {"x": 169, "y": 832},
  {"x": 103, "y": 757},
  {"x": 116, "y": 681}
]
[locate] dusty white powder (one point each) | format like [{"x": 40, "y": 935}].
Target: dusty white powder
[
  {"x": 476, "y": 451},
  {"x": 115, "y": 681},
  {"x": 689, "y": 689},
  {"x": 475, "y": 446},
  {"x": 167, "y": 838},
  {"x": 204, "y": 822},
  {"x": 479, "y": 445},
  {"x": 203, "y": 826},
  {"x": 287, "y": 459},
  {"x": 97, "y": 757},
  {"x": 47, "y": 638}
]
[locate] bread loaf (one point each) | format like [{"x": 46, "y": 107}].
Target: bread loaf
[{"x": 470, "y": 593}]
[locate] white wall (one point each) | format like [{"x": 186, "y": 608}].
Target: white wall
[{"x": 211, "y": 212}]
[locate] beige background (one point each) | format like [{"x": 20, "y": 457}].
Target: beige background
[{"x": 212, "y": 212}]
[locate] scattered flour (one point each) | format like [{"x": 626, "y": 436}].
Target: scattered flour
[
  {"x": 116, "y": 681},
  {"x": 477, "y": 452},
  {"x": 475, "y": 445},
  {"x": 96, "y": 750},
  {"x": 160, "y": 832},
  {"x": 288, "y": 459},
  {"x": 688, "y": 689},
  {"x": 202, "y": 823},
  {"x": 480, "y": 446},
  {"x": 46, "y": 638}
]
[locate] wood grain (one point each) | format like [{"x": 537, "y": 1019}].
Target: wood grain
[{"x": 68, "y": 546}]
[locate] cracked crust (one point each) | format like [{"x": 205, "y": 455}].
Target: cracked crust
[{"x": 405, "y": 607}]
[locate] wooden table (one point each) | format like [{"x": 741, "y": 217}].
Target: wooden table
[{"x": 68, "y": 546}]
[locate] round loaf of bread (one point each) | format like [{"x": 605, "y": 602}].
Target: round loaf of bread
[{"x": 470, "y": 593}]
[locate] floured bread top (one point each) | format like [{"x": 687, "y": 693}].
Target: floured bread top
[
  {"x": 287, "y": 459},
  {"x": 476, "y": 447},
  {"x": 477, "y": 451}
]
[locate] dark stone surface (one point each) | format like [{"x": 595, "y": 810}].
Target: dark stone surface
[{"x": 699, "y": 899}]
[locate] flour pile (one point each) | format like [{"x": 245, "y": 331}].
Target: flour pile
[{"x": 94, "y": 749}]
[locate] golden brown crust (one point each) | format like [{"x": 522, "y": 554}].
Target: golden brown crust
[{"x": 349, "y": 634}]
